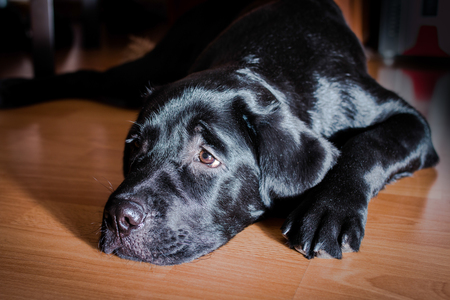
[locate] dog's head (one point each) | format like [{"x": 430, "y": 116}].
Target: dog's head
[{"x": 205, "y": 158}]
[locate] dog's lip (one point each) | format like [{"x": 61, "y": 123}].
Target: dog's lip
[
  {"x": 156, "y": 258},
  {"x": 109, "y": 248}
]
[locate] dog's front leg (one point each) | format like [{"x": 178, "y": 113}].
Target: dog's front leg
[{"x": 331, "y": 218}]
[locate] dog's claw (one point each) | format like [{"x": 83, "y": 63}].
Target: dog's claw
[
  {"x": 300, "y": 249},
  {"x": 346, "y": 248},
  {"x": 285, "y": 230},
  {"x": 323, "y": 254}
]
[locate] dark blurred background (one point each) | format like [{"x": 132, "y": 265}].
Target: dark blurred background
[{"x": 389, "y": 29}]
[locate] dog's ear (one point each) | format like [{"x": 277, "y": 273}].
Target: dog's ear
[{"x": 292, "y": 158}]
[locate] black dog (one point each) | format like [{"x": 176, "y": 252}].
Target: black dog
[{"x": 254, "y": 108}]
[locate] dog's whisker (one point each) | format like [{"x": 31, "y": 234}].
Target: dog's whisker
[
  {"x": 109, "y": 188},
  {"x": 110, "y": 184},
  {"x": 136, "y": 123},
  {"x": 98, "y": 228}
]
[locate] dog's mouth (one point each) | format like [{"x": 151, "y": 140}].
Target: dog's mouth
[
  {"x": 159, "y": 247},
  {"x": 167, "y": 255}
]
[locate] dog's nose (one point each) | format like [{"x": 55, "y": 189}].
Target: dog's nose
[{"x": 125, "y": 217}]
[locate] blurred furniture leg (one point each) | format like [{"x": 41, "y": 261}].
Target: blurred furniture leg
[
  {"x": 91, "y": 24},
  {"x": 42, "y": 26}
]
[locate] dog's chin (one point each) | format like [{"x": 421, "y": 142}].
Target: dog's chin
[
  {"x": 182, "y": 255},
  {"x": 163, "y": 252}
]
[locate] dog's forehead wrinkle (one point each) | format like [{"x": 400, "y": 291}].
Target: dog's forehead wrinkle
[
  {"x": 177, "y": 113},
  {"x": 197, "y": 108},
  {"x": 164, "y": 142}
]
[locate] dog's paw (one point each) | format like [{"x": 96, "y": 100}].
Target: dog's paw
[{"x": 325, "y": 228}]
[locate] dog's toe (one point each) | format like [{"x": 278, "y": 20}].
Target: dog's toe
[
  {"x": 345, "y": 245},
  {"x": 323, "y": 254}
]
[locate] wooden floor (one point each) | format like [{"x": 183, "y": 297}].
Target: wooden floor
[{"x": 59, "y": 160}]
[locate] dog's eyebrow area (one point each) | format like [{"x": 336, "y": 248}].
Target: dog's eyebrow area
[
  {"x": 203, "y": 149},
  {"x": 210, "y": 137}
]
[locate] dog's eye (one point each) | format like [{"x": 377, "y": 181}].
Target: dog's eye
[
  {"x": 209, "y": 160},
  {"x": 134, "y": 141},
  {"x": 137, "y": 143}
]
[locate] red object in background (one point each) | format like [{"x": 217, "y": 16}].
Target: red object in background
[
  {"x": 427, "y": 43},
  {"x": 424, "y": 82}
]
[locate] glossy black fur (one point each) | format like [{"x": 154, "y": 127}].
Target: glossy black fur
[{"x": 280, "y": 96}]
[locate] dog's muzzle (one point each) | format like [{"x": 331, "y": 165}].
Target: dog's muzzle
[{"x": 122, "y": 217}]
